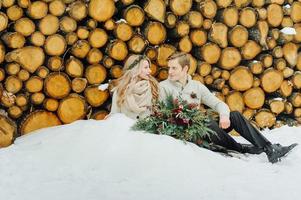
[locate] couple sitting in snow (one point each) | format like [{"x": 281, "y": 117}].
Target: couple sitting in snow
[{"x": 136, "y": 91}]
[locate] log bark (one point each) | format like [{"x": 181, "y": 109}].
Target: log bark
[
  {"x": 101, "y": 10},
  {"x": 248, "y": 17},
  {"x": 185, "y": 44},
  {"x": 256, "y": 67},
  {"x": 155, "y": 9},
  {"x": 14, "y": 13},
  {"x": 22, "y": 100},
  {"x": 170, "y": 20},
  {"x": 71, "y": 38},
  {"x": 250, "y": 50},
  {"x": 12, "y": 68},
  {"x": 7, "y": 3},
  {"x": 235, "y": 101},
  {"x": 68, "y": 24},
  {"x": 162, "y": 74},
  {"x": 51, "y": 104},
  {"x": 23, "y": 75},
  {"x": 110, "y": 25},
  {"x": 49, "y": 25},
  {"x": 117, "y": 50},
  {"x": 123, "y": 31},
  {"x": 94, "y": 56},
  {"x": 37, "y": 98},
  {"x": 295, "y": 12},
  {"x": 2, "y": 52},
  {"x": 78, "y": 10},
  {"x": 259, "y": 33},
  {"x": 81, "y": 48},
  {"x": 57, "y": 85},
  {"x": 2, "y": 75},
  {"x": 229, "y": 16},
  {"x": 230, "y": 58},
  {"x": 25, "y": 26},
  {"x": 295, "y": 99},
  {"x": 100, "y": 115},
  {"x": 28, "y": 57},
  {"x": 116, "y": 71},
  {"x": 155, "y": 33},
  {"x": 3, "y": 21},
  {"x": 265, "y": 118},
  {"x": 286, "y": 88},
  {"x": 274, "y": 15},
  {"x": 79, "y": 84},
  {"x": 208, "y": 8},
  {"x": 108, "y": 62},
  {"x": 241, "y": 78},
  {"x": 164, "y": 51},
  {"x": 134, "y": 15},
  {"x": 254, "y": 98},
  {"x": 37, "y": 39},
  {"x": 37, "y": 120},
  {"x": 55, "y": 45},
  {"x": 210, "y": 52},
  {"x": 24, "y": 3},
  {"x": 198, "y": 37},
  {"x": 96, "y": 97},
  {"x": 218, "y": 34},
  {"x": 271, "y": 80},
  {"x": 296, "y": 80},
  {"x": 34, "y": 84},
  {"x": 137, "y": 44},
  {"x": 72, "y": 108},
  {"x": 37, "y": 9},
  {"x": 13, "y": 84},
  {"x": 8, "y": 130},
  {"x": 238, "y": 36},
  {"x": 95, "y": 74},
  {"x": 55, "y": 63},
  {"x": 276, "y": 106},
  {"x": 290, "y": 52},
  {"x": 82, "y": 32},
  {"x": 57, "y": 7},
  {"x": 194, "y": 19},
  {"x": 180, "y": 7},
  {"x": 74, "y": 67}
]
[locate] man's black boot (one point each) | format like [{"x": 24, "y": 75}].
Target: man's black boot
[
  {"x": 251, "y": 149},
  {"x": 276, "y": 151}
]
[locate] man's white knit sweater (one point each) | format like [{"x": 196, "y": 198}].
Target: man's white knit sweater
[{"x": 193, "y": 92}]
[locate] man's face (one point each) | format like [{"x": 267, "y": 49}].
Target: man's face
[{"x": 176, "y": 72}]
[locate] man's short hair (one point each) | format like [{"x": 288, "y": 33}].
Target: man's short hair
[{"x": 183, "y": 58}]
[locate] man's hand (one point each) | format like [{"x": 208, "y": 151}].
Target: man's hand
[{"x": 224, "y": 122}]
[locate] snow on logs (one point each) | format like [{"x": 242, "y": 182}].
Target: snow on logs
[{"x": 54, "y": 54}]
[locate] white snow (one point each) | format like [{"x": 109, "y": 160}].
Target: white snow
[
  {"x": 104, "y": 160},
  {"x": 288, "y": 31},
  {"x": 103, "y": 86}
]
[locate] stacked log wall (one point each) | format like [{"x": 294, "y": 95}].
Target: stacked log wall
[{"x": 55, "y": 53}]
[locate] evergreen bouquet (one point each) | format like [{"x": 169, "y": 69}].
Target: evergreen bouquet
[{"x": 176, "y": 118}]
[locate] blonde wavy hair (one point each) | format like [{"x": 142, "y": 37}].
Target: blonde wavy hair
[{"x": 130, "y": 77}]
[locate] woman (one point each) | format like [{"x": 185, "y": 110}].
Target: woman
[{"x": 136, "y": 90}]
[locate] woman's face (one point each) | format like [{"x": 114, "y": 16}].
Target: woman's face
[{"x": 144, "y": 70}]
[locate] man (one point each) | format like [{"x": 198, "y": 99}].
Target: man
[{"x": 179, "y": 83}]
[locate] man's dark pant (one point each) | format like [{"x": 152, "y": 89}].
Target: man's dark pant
[{"x": 241, "y": 125}]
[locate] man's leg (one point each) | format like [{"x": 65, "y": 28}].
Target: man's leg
[
  {"x": 222, "y": 138},
  {"x": 240, "y": 124}
]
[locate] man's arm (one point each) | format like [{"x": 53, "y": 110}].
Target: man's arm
[{"x": 216, "y": 104}]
